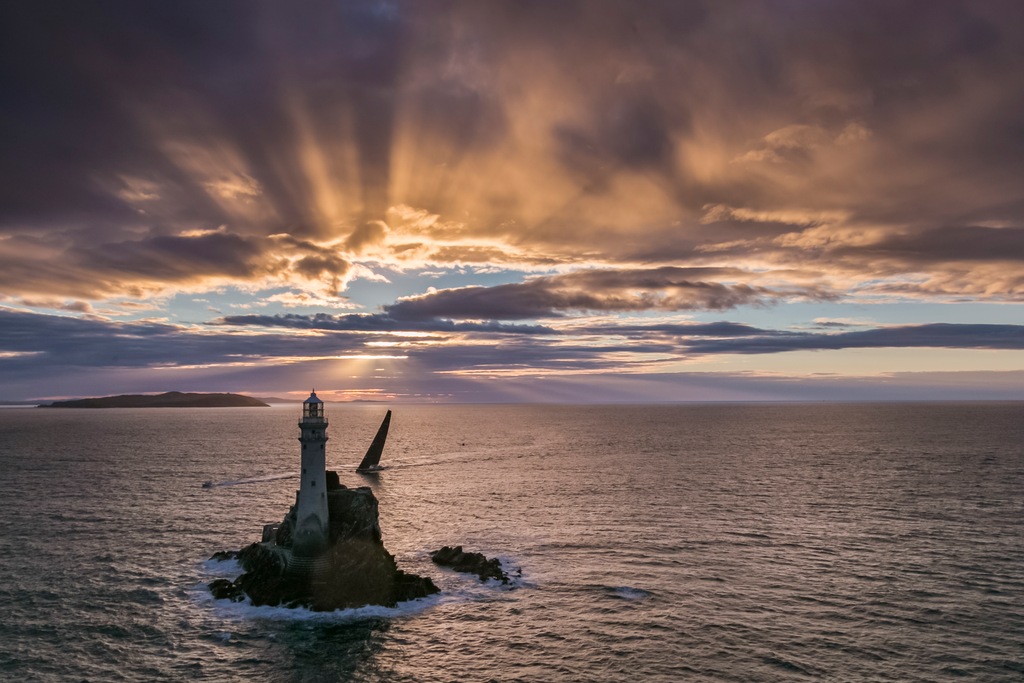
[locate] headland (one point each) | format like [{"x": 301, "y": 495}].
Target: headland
[{"x": 171, "y": 399}]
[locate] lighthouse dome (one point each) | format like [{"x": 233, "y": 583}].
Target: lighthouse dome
[{"x": 313, "y": 408}]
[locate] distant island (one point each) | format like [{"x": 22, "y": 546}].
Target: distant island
[{"x": 172, "y": 399}]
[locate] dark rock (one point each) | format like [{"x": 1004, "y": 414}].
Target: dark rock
[
  {"x": 471, "y": 563},
  {"x": 355, "y": 570},
  {"x": 223, "y": 589},
  {"x": 353, "y": 515},
  {"x": 273, "y": 587},
  {"x": 222, "y": 555},
  {"x": 372, "y": 577},
  {"x": 283, "y": 535},
  {"x": 259, "y": 557},
  {"x": 413, "y": 586}
]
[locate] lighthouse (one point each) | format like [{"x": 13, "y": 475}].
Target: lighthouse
[{"x": 311, "y": 516}]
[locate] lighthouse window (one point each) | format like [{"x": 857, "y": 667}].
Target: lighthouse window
[
  {"x": 312, "y": 482},
  {"x": 303, "y": 470},
  {"x": 303, "y": 446}
]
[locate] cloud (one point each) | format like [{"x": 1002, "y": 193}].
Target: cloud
[
  {"x": 361, "y": 322},
  {"x": 685, "y": 330},
  {"x": 59, "y": 354},
  {"x": 324, "y": 266},
  {"x": 512, "y": 357},
  {"x": 53, "y": 304},
  {"x": 241, "y": 186},
  {"x": 946, "y": 244},
  {"x": 970, "y": 262},
  {"x": 59, "y": 341},
  {"x": 39, "y": 351},
  {"x": 173, "y": 259},
  {"x": 196, "y": 259},
  {"x": 665, "y": 289},
  {"x": 367, "y": 234},
  {"x": 684, "y": 134},
  {"x": 936, "y": 335}
]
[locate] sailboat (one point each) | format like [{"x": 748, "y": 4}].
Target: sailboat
[{"x": 371, "y": 461}]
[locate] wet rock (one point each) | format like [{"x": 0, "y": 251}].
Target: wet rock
[
  {"x": 372, "y": 577},
  {"x": 471, "y": 563},
  {"x": 353, "y": 515},
  {"x": 223, "y": 555},
  {"x": 224, "y": 589},
  {"x": 353, "y": 571}
]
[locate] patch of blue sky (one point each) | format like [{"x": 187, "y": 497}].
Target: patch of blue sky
[{"x": 193, "y": 307}]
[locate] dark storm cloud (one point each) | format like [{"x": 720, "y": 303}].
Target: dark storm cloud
[
  {"x": 134, "y": 266},
  {"x": 39, "y": 341},
  {"x": 44, "y": 345},
  {"x": 45, "y": 341},
  {"x": 62, "y": 350},
  {"x": 513, "y": 356},
  {"x": 65, "y": 69},
  {"x": 50, "y": 341},
  {"x": 966, "y": 243},
  {"x": 716, "y": 329},
  {"x": 728, "y": 337},
  {"x": 98, "y": 93},
  {"x": 631, "y": 130},
  {"x": 173, "y": 259},
  {"x": 760, "y": 134},
  {"x": 938, "y": 336},
  {"x": 357, "y": 322},
  {"x": 667, "y": 289}
]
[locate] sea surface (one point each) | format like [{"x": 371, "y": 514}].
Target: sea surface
[{"x": 746, "y": 542}]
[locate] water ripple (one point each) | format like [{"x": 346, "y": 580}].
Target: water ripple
[{"x": 735, "y": 543}]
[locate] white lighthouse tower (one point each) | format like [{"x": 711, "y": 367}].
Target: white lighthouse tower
[{"x": 311, "y": 516}]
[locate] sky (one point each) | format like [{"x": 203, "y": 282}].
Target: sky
[{"x": 505, "y": 201}]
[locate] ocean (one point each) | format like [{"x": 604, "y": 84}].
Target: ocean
[{"x": 741, "y": 542}]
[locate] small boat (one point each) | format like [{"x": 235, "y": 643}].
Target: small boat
[
  {"x": 207, "y": 484},
  {"x": 371, "y": 461}
]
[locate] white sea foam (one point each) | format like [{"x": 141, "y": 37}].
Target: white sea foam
[
  {"x": 222, "y": 568},
  {"x": 246, "y": 611},
  {"x": 468, "y": 589},
  {"x": 517, "y": 576}
]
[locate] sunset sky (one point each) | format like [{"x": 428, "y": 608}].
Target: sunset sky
[{"x": 513, "y": 201}]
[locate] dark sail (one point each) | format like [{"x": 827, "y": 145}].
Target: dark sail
[{"x": 372, "y": 457}]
